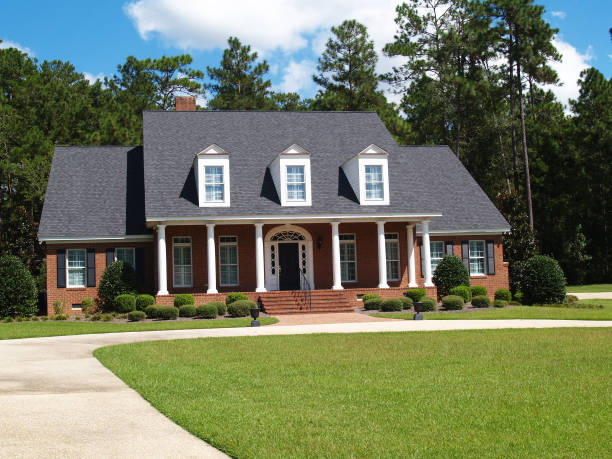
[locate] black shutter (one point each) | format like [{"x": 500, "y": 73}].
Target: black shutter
[
  {"x": 465, "y": 254},
  {"x": 140, "y": 268},
  {"x": 490, "y": 257},
  {"x": 449, "y": 247},
  {"x": 110, "y": 255},
  {"x": 61, "y": 268},
  {"x": 91, "y": 267},
  {"x": 422, "y": 258}
]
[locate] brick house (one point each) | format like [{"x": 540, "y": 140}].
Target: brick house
[{"x": 303, "y": 210}]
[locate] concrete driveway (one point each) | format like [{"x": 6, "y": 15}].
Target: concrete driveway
[
  {"x": 57, "y": 400},
  {"x": 593, "y": 296}
]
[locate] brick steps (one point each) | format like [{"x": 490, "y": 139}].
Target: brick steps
[{"x": 293, "y": 302}]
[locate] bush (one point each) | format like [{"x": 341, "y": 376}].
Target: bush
[
  {"x": 87, "y": 305},
  {"x": 182, "y": 299},
  {"x": 503, "y": 294},
  {"x": 35, "y": 318},
  {"x": 370, "y": 296},
  {"x": 18, "y": 292},
  {"x": 60, "y": 317},
  {"x": 97, "y": 316},
  {"x": 543, "y": 281},
  {"x": 481, "y": 301},
  {"x": 500, "y": 303},
  {"x": 151, "y": 311},
  {"x": 463, "y": 291},
  {"x": 187, "y": 310},
  {"x": 167, "y": 312},
  {"x": 221, "y": 307},
  {"x": 477, "y": 290},
  {"x": 452, "y": 302},
  {"x": 44, "y": 318},
  {"x": 7, "y": 320},
  {"x": 570, "y": 299},
  {"x": 20, "y": 319},
  {"x": 107, "y": 317},
  {"x": 208, "y": 310},
  {"x": 240, "y": 308},
  {"x": 372, "y": 304},
  {"x": 125, "y": 303},
  {"x": 406, "y": 302},
  {"x": 415, "y": 294},
  {"x": 391, "y": 305},
  {"x": 118, "y": 278},
  {"x": 451, "y": 272},
  {"x": 136, "y": 316},
  {"x": 77, "y": 317},
  {"x": 429, "y": 304},
  {"x": 143, "y": 300},
  {"x": 59, "y": 307},
  {"x": 235, "y": 296},
  {"x": 518, "y": 296}
]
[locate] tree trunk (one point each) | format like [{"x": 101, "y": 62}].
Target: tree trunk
[
  {"x": 512, "y": 105},
  {"x": 525, "y": 151}
]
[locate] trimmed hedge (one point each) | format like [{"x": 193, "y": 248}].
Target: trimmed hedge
[
  {"x": 118, "y": 278},
  {"x": 166, "y": 312},
  {"x": 372, "y": 304},
  {"x": 187, "y": 310},
  {"x": 477, "y": 290},
  {"x": 235, "y": 296},
  {"x": 240, "y": 308},
  {"x": 406, "y": 302},
  {"x": 415, "y": 294},
  {"x": 18, "y": 292},
  {"x": 481, "y": 301},
  {"x": 452, "y": 302},
  {"x": 463, "y": 291},
  {"x": 182, "y": 299},
  {"x": 208, "y": 310},
  {"x": 136, "y": 316},
  {"x": 543, "y": 281},
  {"x": 500, "y": 303},
  {"x": 503, "y": 294},
  {"x": 221, "y": 307},
  {"x": 125, "y": 303},
  {"x": 429, "y": 304},
  {"x": 151, "y": 311},
  {"x": 451, "y": 272},
  {"x": 370, "y": 296},
  {"x": 392, "y": 304},
  {"x": 144, "y": 300}
]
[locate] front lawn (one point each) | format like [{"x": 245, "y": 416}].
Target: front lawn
[
  {"x": 502, "y": 393},
  {"x": 15, "y": 330},
  {"x": 593, "y": 288}
]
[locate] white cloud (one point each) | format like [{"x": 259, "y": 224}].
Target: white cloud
[
  {"x": 297, "y": 77},
  {"x": 93, "y": 78},
  {"x": 11, "y": 44},
  {"x": 559, "y": 14},
  {"x": 569, "y": 68}
]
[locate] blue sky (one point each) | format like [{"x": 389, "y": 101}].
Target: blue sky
[{"x": 290, "y": 34}]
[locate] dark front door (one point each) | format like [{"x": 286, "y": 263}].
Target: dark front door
[{"x": 288, "y": 260}]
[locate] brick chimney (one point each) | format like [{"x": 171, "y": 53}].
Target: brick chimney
[{"x": 185, "y": 103}]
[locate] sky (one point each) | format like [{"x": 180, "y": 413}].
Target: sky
[{"x": 290, "y": 34}]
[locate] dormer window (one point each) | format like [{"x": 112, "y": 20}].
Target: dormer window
[
  {"x": 213, "y": 183},
  {"x": 211, "y": 167},
  {"x": 374, "y": 183},
  {"x": 368, "y": 174},
  {"x": 296, "y": 184},
  {"x": 290, "y": 172}
]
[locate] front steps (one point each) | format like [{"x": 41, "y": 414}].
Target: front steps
[{"x": 296, "y": 302}]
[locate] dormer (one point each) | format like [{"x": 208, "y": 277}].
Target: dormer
[
  {"x": 290, "y": 172},
  {"x": 211, "y": 168},
  {"x": 368, "y": 174}
]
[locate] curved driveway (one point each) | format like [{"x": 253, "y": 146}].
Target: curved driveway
[{"x": 57, "y": 400}]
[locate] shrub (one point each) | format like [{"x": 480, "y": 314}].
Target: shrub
[
  {"x": 167, "y": 312},
  {"x": 391, "y": 305},
  {"x": 182, "y": 299},
  {"x": 370, "y": 296},
  {"x": 415, "y": 294},
  {"x": 481, "y": 301},
  {"x": 544, "y": 281},
  {"x": 120, "y": 316},
  {"x": 477, "y": 290},
  {"x": 60, "y": 317},
  {"x": 151, "y": 311},
  {"x": 240, "y": 308},
  {"x": 503, "y": 294},
  {"x": 7, "y": 320},
  {"x": 463, "y": 291},
  {"x": 125, "y": 303},
  {"x": 187, "y": 310},
  {"x": 18, "y": 292},
  {"x": 406, "y": 302},
  {"x": 143, "y": 300},
  {"x": 208, "y": 310},
  {"x": 451, "y": 272},
  {"x": 19, "y": 319},
  {"x": 514, "y": 303},
  {"x": 77, "y": 317},
  {"x": 500, "y": 303},
  {"x": 59, "y": 307},
  {"x": 136, "y": 316},
  {"x": 35, "y": 318},
  {"x": 44, "y": 318},
  {"x": 372, "y": 304},
  {"x": 95, "y": 317},
  {"x": 235, "y": 296},
  {"x": 571, "y": 299},
  {"x": 118, "y": 278},
  {"x": 221, "y": 307},
  {"x": 429, "y": 304},
  {"x": 87, "y": 305},
  {"x": 452, "y": 302},
  {"x": 107, "y": 317},
  {"x": 518, "y": 296}
]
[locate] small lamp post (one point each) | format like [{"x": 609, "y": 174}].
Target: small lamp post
[
  {"x": 418, "y": 309},
  {"x": 255, "y": 313}
]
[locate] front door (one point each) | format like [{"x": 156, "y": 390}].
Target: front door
[{"x": 289, "y": 272}]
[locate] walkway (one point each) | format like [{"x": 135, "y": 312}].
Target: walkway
[
  {"x": 58, "y": 401},
  {"x": 593, "y": 296}
]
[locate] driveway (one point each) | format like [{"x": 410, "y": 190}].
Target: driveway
[
  {"x": 57, "y": 400},
  {"x": 593, "y": 296}
]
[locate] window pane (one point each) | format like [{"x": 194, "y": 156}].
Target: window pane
[
  {"x": 228, "y": 260},
  {"x": 373, "y": 173},
  {"x": 436, "y": 250},
  {"x": 477, "y": 258},
  {"x": 127, "y": 256},
  {"x": 392, "y": 252},
  {"x": 296, "y": 192},
  {"x": 213, "y": 183},
  {"x": 182, "y": 263},
  {"x": 374, "y": 182},
  {"x": 76, "y": 258},
  {"x": 348, "y": 258},
  {"x": 476, "y": 248},
  {"x": 213, "y": 174},
  {"x": 295, "y": 174}
]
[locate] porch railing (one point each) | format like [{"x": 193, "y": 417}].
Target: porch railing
[{"x": 305, "y": 291}]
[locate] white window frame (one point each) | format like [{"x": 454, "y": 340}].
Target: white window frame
[
  {"x": 287, "y": 182},
  {"x": 395, "y": 238},
  {"x": 380, "y": 182},
  {"x": 133, "y": 249},
  {"x": 373, "y": 161},
  {"x": 212, "y": 156},
  {"x": 354, "y": 244},
  {"x": 228, "y": 243},
  {"x": 435, "y": 259},
  {"x": 68, "y": 268},
  {"x": 292, "y": 156},
  {"x": 483, "y": 258},
  {"x": 174, "y": 265},
  {"x": 221, "y": 183}
]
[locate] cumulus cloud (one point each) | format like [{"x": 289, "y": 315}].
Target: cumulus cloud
[
  {"x": 297, "y": 77},
  {"x": 93, "y": 78},
  {"x": 11, "y": 44},
  {"x": 559, "y": 14},
  {"x": 572, "y": 63}
]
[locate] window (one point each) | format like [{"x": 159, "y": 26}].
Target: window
[
  {"x": 477, "y": 258},
  {"x": 296, "y": 184},
  {"x": 127, "y": 255},
  {"x": 228, "y": 260},
  {"x": 182, "y": 261},
  {"x": 436, "y": 249},
  {"x": 393, "y": 257},
  {"x": 77, "y": 274},
  {"x": 213, "y": 184},
  {"x": 374, "y": 183},
  {"x": 348, "y": 258}
]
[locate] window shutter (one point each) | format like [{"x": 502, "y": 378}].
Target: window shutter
[
  {"x": 490, "y": 257},
  {"x": 449, "y": 247},
  {"x": 110, "y": 255},
  {"x": 422, "y": 258},
  {"x": 91, "y": 267},
  {"x": 61, "y": 268},
  {"x": 139, "y": 255},
  {"x": 465, "y": 254}
]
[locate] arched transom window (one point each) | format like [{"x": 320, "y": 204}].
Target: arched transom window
[{"x": 287, "y": 236}]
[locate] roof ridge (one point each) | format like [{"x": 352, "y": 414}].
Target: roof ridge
[{"x": 259, "y": 111}]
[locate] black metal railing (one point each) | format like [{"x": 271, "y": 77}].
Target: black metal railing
[{"x": 305, "y": 291}]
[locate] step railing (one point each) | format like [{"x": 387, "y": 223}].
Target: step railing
[{"x": 305, "y": 291}]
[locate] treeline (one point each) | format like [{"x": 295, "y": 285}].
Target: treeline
[{"x": 472, "y": 77}]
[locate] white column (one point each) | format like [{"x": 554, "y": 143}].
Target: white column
[
  {"x": 382, "y": 256},
  {"x": 162, "y": 273},
  {"x": 426, "y": 254},
  {"x": 336, "y": 256},
  {"x": 212, "y": 265},
  {"x": 411, "y": 263},
  {"x": 259, "y": 258}
]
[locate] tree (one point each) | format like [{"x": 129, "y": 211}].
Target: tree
[
  {"x": 118, "y": 278},
  {"x": 18, "y": 293},
  {"x": 450, "y": 273}
]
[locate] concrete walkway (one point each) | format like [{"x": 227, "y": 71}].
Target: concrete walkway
[
  {"x": 57, "y": 400},
  {"x": 593, "y": 296}
]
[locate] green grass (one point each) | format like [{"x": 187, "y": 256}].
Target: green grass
[
  {"x": 503, "y": 393},
  {"x": 593, "y": 288},
  {"x": 16, "y": 330}
]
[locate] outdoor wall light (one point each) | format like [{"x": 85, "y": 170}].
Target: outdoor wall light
[{"x": 319, "y": 242}]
